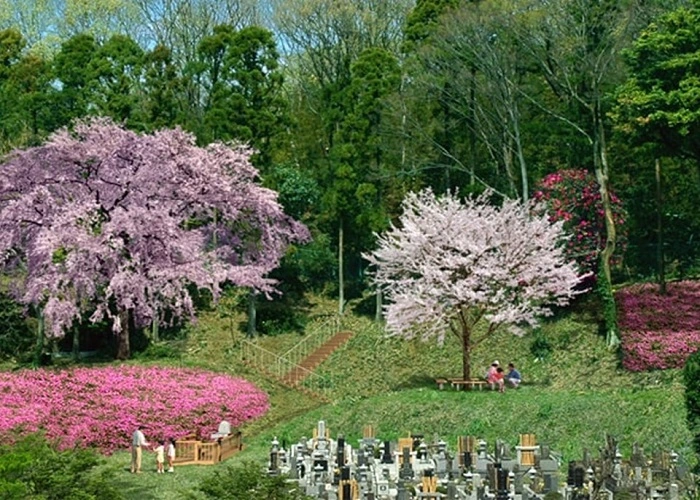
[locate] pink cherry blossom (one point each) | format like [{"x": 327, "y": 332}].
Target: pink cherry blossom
[
  {"x": 450, "y": 263},
  {"x": 107, "y": 220}
]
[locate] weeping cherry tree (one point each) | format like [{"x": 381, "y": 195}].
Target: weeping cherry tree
[{"x": 121, "y": 225}]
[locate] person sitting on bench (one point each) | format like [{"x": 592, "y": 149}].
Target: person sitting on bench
[{"x": 492, "y": 376}]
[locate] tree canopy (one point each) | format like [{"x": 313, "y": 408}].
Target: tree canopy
[
  {"x": 448, "y": 264},
  {"x": 120, "y": 224}
]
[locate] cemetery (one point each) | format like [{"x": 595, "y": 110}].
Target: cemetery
[{"x": 421, "y": 467}]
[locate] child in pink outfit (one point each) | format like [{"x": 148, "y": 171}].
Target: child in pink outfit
[
  {"x": 499, "y": 379},
  {"x": 491, "y": 374}
]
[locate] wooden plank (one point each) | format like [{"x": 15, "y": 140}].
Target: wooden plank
[{"x": 468, "y": 383}]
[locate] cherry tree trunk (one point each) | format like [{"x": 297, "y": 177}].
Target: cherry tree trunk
[
  {"x": 466, "y": 353},
  {"x": 123, "y": 346}
]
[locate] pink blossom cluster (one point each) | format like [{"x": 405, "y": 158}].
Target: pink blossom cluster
[
  {"x": 659, "y": 331},
  {"x": 101, "y": 407},
  {"x": 573, "y": 196}
]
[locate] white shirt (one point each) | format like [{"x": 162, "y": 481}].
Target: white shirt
[
  {"x": 138, "y": 439},
  {"x": 171, "y": 450}
]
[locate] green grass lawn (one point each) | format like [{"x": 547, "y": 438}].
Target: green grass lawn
[{"x": 570, "y": 399}]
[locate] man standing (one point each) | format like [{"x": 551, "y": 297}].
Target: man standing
[{"x": 138, "y": 441}]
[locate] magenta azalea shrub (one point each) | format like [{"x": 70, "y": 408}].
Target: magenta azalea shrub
[
  {"x": 101, "y": 407},
  {"x": 659, "y": 331},
  {"x": 573, "y": 196}
]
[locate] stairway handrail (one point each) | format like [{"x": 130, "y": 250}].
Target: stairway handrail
[
  {"x": 313, "y": 340},
  {"x": 279, "y": 366}
]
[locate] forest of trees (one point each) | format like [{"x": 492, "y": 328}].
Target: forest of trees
[{"x": 351, "y": 104}]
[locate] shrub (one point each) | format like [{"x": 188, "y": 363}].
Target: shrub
[
  {"x": 248, "y": 481},
  {"x": 33, "y": 468},
  {"x": 101, "y": 407},
  {"x": 574, "y": 197},
  {"x": 691, "y": 377},
  {"x": 659, "y": 331},
  {"x": 16, "y": 340}
]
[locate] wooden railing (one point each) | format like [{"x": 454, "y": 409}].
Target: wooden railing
[
  {"x": 315, "y": 338},
  {"x": 278, "y": 366},
  {"x": 265, "y": 360},
  {"x": 195, "y": 452}
]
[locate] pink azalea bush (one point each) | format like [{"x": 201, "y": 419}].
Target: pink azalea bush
[
  {"x": 659, "y": 331},
  {"x": 573, "y": 196},
  {"x": 101, "y": 407}
]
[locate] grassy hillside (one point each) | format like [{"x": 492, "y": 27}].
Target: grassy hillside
[{"x": 574, "y": 393}]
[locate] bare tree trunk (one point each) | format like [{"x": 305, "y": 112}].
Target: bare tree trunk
[
  {"x": 123, "y": 346},
  {"x": 521, "y": 156},
  {"x": 508, "y": 162},
  {"x": 378, "y": 312},
  {"x": 472, "y": 129},
  {"x": 601, "y": 168},
  {"x": 661, "y": 268},
  {"x": 341, "y": 276}
]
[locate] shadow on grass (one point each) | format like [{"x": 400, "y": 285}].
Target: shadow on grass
[
  {"x": 149, "y": 485},
  {"x": 417, "y": 381},
  {"x": 137, "y": 485}
]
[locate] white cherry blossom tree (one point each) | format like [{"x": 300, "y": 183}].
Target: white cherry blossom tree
[{"x": 450, "y": 264}]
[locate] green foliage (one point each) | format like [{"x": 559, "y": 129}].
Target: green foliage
[
  {"x": 25, "y": 89},
  {"x": 424, "y": 19},
  {"x": 161, "y": 90},
  {"x": 33, "y": 468},
  {"x": 72, "y": 67},
  {"x": 691, "y": 377},
  {"x": 298, "y": 192},
  {"x": 540, "y": 347},
  {"x": 660, "y": 101},
  {"x": 244, "y": 100},
  {"x": 248, "y": 480},
  {"x": 553, "y": 495},
  {"x": 161, "y": 350},
  {"x": 16, "y": 339}
]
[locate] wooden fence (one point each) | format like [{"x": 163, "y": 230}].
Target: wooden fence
[{"x": 195, "y": 452}]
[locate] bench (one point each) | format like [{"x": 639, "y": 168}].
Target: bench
[
  {"x": 456, "y": 383},
  {"x": 468, "y": 384}
]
